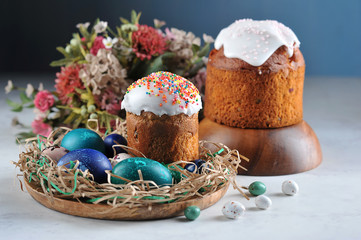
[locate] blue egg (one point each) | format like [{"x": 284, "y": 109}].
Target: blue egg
[
  {"x": 151, "y": 170},
  {"x": 90, "y": 159},
  {"x": 83, "y": 138},
  {"x": 114, "y": 139},
  {"x": 199, "y": 163}
]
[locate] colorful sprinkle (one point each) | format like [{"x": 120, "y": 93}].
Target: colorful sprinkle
[{"x": 164, "y": 82}]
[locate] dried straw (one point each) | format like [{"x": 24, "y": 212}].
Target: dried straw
[{"x": 60, "y": 182}]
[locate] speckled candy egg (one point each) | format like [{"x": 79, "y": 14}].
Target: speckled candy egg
[
  {"x": 120, "y": 157},
  {"x": 290, "y": 187},
  {"x": 233, "y": 209},
  {"x": 90, "y": 159},
  {"x": 151, "y": 170},
  {"x": 110, "y": 141},
  {"x": 83, "y": 138},
  {"x": 197, "y": 164},
  {"x": 54, "y": 153},
  {"x": 263, "y": 202}
]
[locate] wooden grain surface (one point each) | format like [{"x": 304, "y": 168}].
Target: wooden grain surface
[
  {"x": 103, "y": 211},
  {"x": 271, "y": 152}
]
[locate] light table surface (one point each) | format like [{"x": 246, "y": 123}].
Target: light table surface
[{"x": 328, "y": 205}]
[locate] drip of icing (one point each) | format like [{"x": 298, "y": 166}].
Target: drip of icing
[
  {"x": 162, "y": 93},
  {"x": 255, "y": 41}
]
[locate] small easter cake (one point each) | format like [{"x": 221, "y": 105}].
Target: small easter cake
[
  {"x": 162, "y": 117},
  {"x": 255, "y": 76}
]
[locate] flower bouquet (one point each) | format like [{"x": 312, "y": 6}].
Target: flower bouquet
[{"x": 98, "y": 65}]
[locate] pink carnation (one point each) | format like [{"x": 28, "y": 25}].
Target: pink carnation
[
  {"x": 44, "y": 100},
  {"x": 147, "y": 42},
  {"x": 97, "y": 44},
  {"x": 41, "y": 128},
  {"x": 67, "y": 81}
]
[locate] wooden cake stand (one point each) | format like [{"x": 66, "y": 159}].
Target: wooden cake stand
[{"x": 278, "y": 151}]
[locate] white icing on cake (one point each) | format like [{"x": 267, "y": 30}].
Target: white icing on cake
[
  {"x": 162, "y": 93},
  {"x": 255, "y": 41}
]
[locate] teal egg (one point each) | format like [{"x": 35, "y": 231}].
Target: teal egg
[
  {"x": 192, "y": 212},
  {"x": 151, "y": 170},
  {"x": 83, "y": 138},
  {"x": 257, "y": 188}
]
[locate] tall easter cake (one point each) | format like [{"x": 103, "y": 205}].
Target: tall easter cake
[
  {"x": 255, "y": 76},
  {"x": 162, "y": 117}
]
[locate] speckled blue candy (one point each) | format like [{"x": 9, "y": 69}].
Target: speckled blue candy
[
  {"x": 83, "y": 138},
  {"x": 90, "y": 159},
  {"x": 199, "y": 163},
  {"x": 151, "y": 170},
  {"x": 114, "y": 139}
]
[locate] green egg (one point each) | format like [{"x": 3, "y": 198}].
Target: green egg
[{"x": 151, "y": 170}]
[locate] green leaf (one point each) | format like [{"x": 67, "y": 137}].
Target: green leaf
[
  {"x": 22, "y": 136},
  {"x": 17, "y": 109},
  {"x": 30, "y": 105},
  {"x": 195, "y": 48},
  {"x": 70, "y": 118},
  {"x": 124, "y": 21},
  {"x": 12, "y": 103},
  {"x": 204, "y": 51},
  {"x": 62, "y": 51},
  {"x": 77, "y": 37},
  {"x": 24, "y": 99},
  {"x": 196, "y": 67},
  {"x": 84, "y": 32},
  {"x": 77, "y": 122},
  {"x": 133, "y": 18},
  {"x": 111, "y": 32},
  {"x": 157, "y": 64},
  {"x": 60, "y": 62}
]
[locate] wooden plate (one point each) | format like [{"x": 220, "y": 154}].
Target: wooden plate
[
  {"x": 103, "y": 211},
  {"x": 277, "y": 151}
]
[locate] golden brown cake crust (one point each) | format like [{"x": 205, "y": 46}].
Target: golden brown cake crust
[
  {"x": 241, "y": 95},
  {"x": 164, "y": 139}
]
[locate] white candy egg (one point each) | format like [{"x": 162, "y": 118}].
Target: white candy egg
[
  {"x": 290, "y": 187},
  {"x": 263, "y": 202},
  {"x": 233, "y": 209},
  {"x": 119, "y": 157}
]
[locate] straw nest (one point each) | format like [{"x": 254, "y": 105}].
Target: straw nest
[{"x": 73, "y": 184}]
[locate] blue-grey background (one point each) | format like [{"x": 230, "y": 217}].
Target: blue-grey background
[{"x": 329, "y": 30}]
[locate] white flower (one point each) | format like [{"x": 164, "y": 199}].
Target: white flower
[
  {"x": 41, "y": 87},
  {"x": 100, "y": 26},
  {"x": 158, "y": 23},
  {"x": 109, "y": 42},
  {"x": 9, "y": 87},
  {"x": 208, "y": 38},
  {"x": 39, "y": 114},
  {"x": 53, "y": 115},
  {"x": 29, "y": 90},
  {"x": 196, "y": 41},
  {"x": 84, "y": 25}
]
